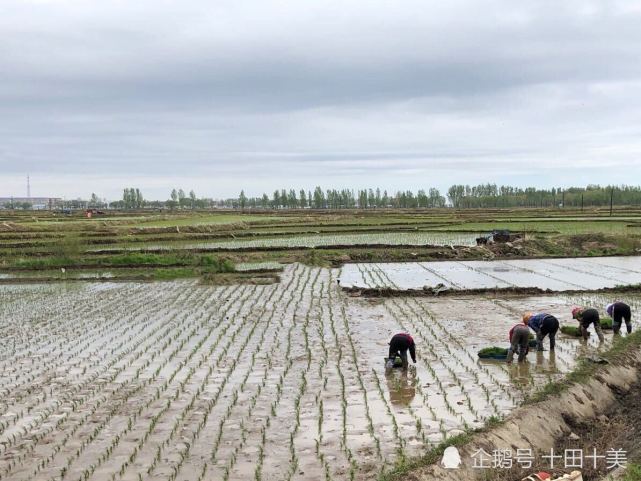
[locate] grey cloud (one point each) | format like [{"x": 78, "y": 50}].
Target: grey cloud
[{"x": 359, "y": 91}]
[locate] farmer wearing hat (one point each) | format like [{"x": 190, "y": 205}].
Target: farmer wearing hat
[
  {"x": 619, "y": 311},
  {"x": 587, "y": 316},
  {"x": 542, "y": 324},
  {"x": 399, "y": 345},
  {"x": 519, "y": 341}
]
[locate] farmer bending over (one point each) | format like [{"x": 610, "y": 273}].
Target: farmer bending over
[
  {"x": 620, "y": 311},
  {"x": 543, "y": 324},
  {"x": 399, "y": 345},
  {"x": 587, "y": 316},
  {"x": 519, "y": 341}
]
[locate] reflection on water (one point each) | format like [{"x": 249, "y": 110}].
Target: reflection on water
[
  {"x": 401, "y": 385},
  {"x": 536, "y": 364},
  {"x": 546, "y": 365},
  {"x": 520, "y": 373}
]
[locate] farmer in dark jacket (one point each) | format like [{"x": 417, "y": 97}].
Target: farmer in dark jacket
[
  {"x": 587, "y": 316},
  {"x": 519, "y": 342},
  {"x": 399, "y": 345},
  {"x": 542, "y": 324},
  {"x": 619, "y": 312}
]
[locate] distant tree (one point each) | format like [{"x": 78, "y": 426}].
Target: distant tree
[
  {"x": 126, "y": 198},
  {"x": 94, "y": 201},
  {"x": 292, "y": 200},
  {"x": 183, "y": 200},
  {"x": 242, "y": 199},
  {"x": 192, "y": 198},
  {"x": 319, "y": 198},
  {"x": 174, "y": 195},
  {"x": 138, "y": 199}
]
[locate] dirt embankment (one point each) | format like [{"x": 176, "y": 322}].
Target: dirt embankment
[
  {"x": 432, "y": 292},
  {"x": 599, "y": 413}
]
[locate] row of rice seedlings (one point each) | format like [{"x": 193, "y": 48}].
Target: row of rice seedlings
[
  {"x": 245, "y": 418},
  {"x": 354, "y": 360},
  {"x": 137, "y": 385},
  {"x": 204, "y": 358},
  {"x": 267, "y": 425},
  {"x": 400, "y": 442},
  {"x": 178, "y": 345},
  {"x": 379, "y": 238},
  {"x": 203, "y": 363},
  {"x": 183, "y": 453},
  {"x": 445, "y": 280},
  {"x": 339, "y": 357},
  {"x": 302, "y": 388},
  {"x": 323, "y": 379},
  {"x": 54, "y": 347},
  {"x": 76, "y": 404}
]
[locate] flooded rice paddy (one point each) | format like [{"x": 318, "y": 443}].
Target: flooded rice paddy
[
  {"x": 178, "y": 380},
  {"x": 420, "y": 238},
  {"x": 576, "y": 274}
]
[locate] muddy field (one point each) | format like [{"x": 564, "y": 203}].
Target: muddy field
[
  {"x": 183, "y": 381},
  {"x": 576, "y": 274}
]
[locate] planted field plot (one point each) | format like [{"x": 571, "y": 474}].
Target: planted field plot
[
  {"x": 573, "y": 274},
  {"x": 308, "y": 241},
  {"x": 182, "y": 381}
]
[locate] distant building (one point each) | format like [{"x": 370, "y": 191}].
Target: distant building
[{"x": 37, "y": 203}]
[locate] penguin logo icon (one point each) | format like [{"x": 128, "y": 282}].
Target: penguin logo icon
[{"x": 451, "y": 458}]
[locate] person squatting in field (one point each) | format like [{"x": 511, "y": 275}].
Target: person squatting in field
[
  {"x": 399, "y": 345},
  {"x": 587, "y": 316},
  {"x": 542, "y": 324},
  {"x": 519, "y": 341},
  {"x": 619, "y": 312}
]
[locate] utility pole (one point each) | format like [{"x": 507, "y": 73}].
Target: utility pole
[
  {"x": 611, "y": 199},
  {"x": 581, "y": 202},
  {"x": 28, "y": 188}
]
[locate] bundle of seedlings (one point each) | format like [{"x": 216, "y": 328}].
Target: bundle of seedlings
[
  {"x": 574, "y": 331},
  {"x": 606, "y": 323},
  {"x": 493, "y": 353}
]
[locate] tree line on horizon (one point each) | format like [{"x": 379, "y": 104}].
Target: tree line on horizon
[{"x": 458, "y": 196}]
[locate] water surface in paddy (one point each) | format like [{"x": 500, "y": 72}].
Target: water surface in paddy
[
  {"x": 568, "y": 274},
  {"x": 251, "y": 374}
]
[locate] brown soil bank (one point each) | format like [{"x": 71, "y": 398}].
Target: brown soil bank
[
  {"x": 598, "y": 407},
  {"x": 516, "y": 291}
]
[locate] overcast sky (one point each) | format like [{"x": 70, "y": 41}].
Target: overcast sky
[{"x": 96, "y": 95}]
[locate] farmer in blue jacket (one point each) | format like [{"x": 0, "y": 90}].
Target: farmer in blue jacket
[{"x": 542, "y": 324}]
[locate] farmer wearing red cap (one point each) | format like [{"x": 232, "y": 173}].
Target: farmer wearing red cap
[
  {"x": 619, "y": 311},
  {"x": 587, "y": 316},
  {"x": 543, "y": 324},
  {"x": 399, "y": 345},
  {"x": 519, "y": 341}
]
